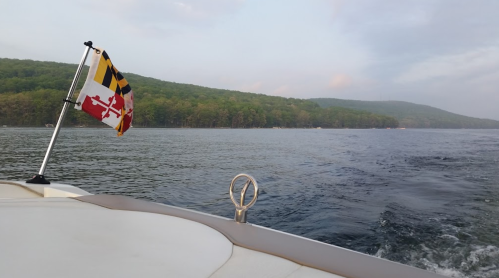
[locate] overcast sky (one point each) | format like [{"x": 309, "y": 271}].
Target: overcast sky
[{"x": 442, "y": 53}]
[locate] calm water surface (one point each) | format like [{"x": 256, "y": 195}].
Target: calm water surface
[{"x": 427, "y": 198}]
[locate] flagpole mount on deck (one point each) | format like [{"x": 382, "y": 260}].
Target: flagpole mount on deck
[{"x": 40, "y": 178}]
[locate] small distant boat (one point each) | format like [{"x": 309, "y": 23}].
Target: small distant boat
[
  {"x": 49, "y": 125},
  {"x": 4, "y": 126}
]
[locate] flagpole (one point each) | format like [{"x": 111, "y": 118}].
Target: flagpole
[{"x": 39, "y": 178}]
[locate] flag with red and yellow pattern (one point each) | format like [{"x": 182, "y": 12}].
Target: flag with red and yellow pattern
[{"x": 106, "y": 94}]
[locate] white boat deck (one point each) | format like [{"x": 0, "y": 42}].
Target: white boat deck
[
  {"x": 46, "y": 232},
  {"x": 63, "y": 237}
]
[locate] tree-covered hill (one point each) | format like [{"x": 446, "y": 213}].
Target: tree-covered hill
[
  {"x": 31, "y": 94},
  {"x": 409, "y": 114}
]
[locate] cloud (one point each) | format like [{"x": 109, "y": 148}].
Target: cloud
[
  {"x": 466, "y": 65},
  {"x": 281, "y": 91},
  {"x": 155, "y": 18},
  {"x": 398, "y": 32},
  {"x": 197, "y": 9},
  {"x": 252, "y": 88},
  {"x": 226, "y": 79},
  {"x": 180, "y": 8},
  {"x": 340, "y": 81}
]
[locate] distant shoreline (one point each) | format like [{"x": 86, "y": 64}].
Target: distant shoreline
[{"x": 152, "y": 127}]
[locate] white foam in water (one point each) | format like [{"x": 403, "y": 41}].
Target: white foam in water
[
  {"x": 482, "y": 252},
  {"x": 379, "y": 253},
  {"x": 480, "y": 255},
  {"x": 443, "y": 271},
  {"x": 450, "y": 272},
  {"x": 382, "y": 250},
  {"x": 449, "y": 237},
  {"x": 480, "y": 262}
]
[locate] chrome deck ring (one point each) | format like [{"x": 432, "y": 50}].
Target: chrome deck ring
[{"x": 249, "y": 180}]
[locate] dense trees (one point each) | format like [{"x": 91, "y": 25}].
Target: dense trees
[
  {"x": 31, "y": 94},
  {"x": 410, "y": 114}
]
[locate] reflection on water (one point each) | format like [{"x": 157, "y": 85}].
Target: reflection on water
[{"x": 427, "y": 198}]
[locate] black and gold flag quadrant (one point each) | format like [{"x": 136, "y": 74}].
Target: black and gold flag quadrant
[{"x": 110, "y": 77}]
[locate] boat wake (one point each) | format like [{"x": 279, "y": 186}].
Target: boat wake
[{"x": 445, "y": 245}]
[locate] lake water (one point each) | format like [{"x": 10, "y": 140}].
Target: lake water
[{"x": 426, "y": 198}]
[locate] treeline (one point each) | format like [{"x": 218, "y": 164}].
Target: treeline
[
  {"x": 31, "y": 94},
  {"x": 410, "y": 115}
]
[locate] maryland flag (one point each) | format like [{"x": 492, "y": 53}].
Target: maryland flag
[{"x": 106, "y": 94}]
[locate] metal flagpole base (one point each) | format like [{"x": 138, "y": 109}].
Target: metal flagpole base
[{"x": 40, "y": 179}]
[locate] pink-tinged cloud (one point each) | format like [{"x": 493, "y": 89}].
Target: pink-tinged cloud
[
  {"x": 340, "y": 81},
  {"x": 281, "y": 91}
]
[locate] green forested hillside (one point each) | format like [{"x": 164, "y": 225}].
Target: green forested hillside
[
  {"x": 409, "y": 114},
  {"x": 31, "y": 94}
]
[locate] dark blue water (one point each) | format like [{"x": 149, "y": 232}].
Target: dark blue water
[{"x": 427, "y": 198}]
